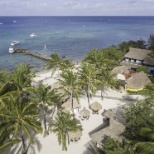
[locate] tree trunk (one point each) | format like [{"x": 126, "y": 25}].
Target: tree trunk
[
  {"x": 88, "y": 96},
  {"x": 102, "y": 89},
  {"x": 23, "y": 144},
  {"x": 88, "y": 99},
  {"x": 44, "y": 116},
  {"x": 68, "y": 137},
  {"x": 53, "y": 111},
  {"x": 72, "y": 102}
]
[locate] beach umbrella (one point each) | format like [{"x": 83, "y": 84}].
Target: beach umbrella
[
  {"x": 67, "y": 106},
  {"x": 95, "y": 106},
  {"x": 108, "y": 113},
  {"x": 75, "y": 135},
  {"x": 84, "y": 113}
]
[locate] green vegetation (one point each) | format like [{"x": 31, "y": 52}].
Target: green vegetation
[
  {"x": 142, "y": 68},
  {"x": 22, "y": 106},
  {"x": 63, "y": 123}
]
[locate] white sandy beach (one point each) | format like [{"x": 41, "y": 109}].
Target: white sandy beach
[{"x": 49, "y": 144}]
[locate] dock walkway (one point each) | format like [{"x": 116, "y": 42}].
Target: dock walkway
[{"x": 24, "y": 51}]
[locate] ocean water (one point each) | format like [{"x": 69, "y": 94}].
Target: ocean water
[{"x": 70, "y": 36}]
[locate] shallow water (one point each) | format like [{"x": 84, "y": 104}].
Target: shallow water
[{"x": 69, "y": 36}]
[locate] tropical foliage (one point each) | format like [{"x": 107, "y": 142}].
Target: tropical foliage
[
  {"x": 87, "y": 79},
  {"x": 45, "y": 98},
  {"x": 69, "y": 84},
  {"x": 61, "y": 125},
  {"x": 58, "y": 63},
  {"x": 19, "y": 120},
  {"x": 115, "y": 147}
]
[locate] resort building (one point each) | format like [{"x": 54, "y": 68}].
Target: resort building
[
  {"x": 136, "y": 55},
  {"x": 111, "y": 128},
  {"x": 137, "y": 82}
]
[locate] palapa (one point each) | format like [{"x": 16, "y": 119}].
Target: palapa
[
  {"x": 67, "y": 106},
  {"x": 95, "y": 106},
  {"x": 120, "y": 69},
  {"x": 75, "y": 135},
  {"x": 108, "y": 113},
  {"x": 137, "y": 81},
  {"x": 84, "y": 113},
  {"x": 136, "y": 53}
]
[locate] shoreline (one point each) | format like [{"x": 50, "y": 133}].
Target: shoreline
[{"x": 50, "y": 142}]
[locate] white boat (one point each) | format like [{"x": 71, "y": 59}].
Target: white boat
[
  {"x": 1, "y": 23},
  {"x": 11, "y": 50},
  {"x": 14, "y": 21},
  {"x": 14, "y": 43},
  {"x": 45, "y": 47},
  {"x": 33, "y": 35}
]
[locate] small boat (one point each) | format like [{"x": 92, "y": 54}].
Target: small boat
[
  {"x": 14, "y": 21},
  {"x": 33, "y": 35},
  {"x": 11, "y": 50},
  {"x": 14, "y": 43},
  {"x": 45, "y": 47},
  {"x": 1, "y": 23}
]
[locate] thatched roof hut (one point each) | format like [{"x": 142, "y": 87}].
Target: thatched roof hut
[
  {"x": 149, "y": 61},
  {"x": 137, "y": 81},
  {"x": 108, "y": 113},
  {"x": 75, "y": 135},
  {"x": 120, "y": 69},
  {"x": 113, "y": 130},
  {"x": 85, "y": 113},
  {"x": 136, "y": 53},
  {"x": 95, "y": 106}
]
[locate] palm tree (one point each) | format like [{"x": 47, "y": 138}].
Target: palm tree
[
  {"x": 63, "y": 123},
  {"x": 87, "y": 79},
  {"x": 20, "y": 120},
  {"x": 146, "y": 144},
  {"x": 69, "y": 84},
  {"x": 46, "y": 97},
  {"x": 93, "y": 57},
  {"x": 21, "y": 78},
  {"x": 57, "y": 63},
  {"x": 106, "y": 78},
  {"x": 5, "y": 90},
  {"x": 3, "y": 77}
]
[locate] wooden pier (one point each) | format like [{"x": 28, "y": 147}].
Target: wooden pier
[{"x": 24, "y": 51}]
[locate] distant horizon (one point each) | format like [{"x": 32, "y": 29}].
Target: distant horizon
[
  {"x": 77, "y": 16},
  {"x": 77, "y": 8}
]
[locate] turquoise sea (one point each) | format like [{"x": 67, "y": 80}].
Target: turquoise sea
[{"x": 70, "y": 36}]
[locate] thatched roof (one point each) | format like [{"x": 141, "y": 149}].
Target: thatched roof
[
  {"x": 148, "y": 60},
  {"x": 95, "y": 106},
  {"x": 75, "y": 135},
  {"x": 114, "y": 130},
  {"x": 136, "y": 53},
  {"x": 84, "y": 112},
  {"x": 67, "y": 106},
  {"x": 129, "y": 65},
  {"x": 108, "y": 113},
  {"x": 120, "y": 69},
  {"x": 137, "y": 81}
]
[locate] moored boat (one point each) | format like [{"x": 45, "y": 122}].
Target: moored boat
[
  {"x": 33, "y": 35},
  {"x": 45, "y": 47},
  {"x": 14, "y": 43},
  {"x": 11, "y": 50}
]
